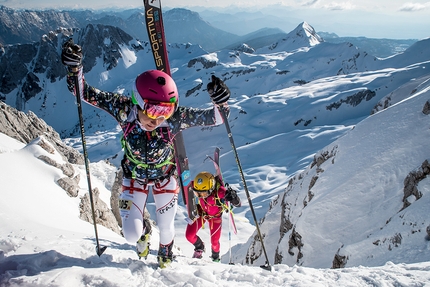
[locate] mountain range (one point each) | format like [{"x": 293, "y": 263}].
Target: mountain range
[
  {"x": 322, "y": 129},
  {"x": 210, "y": 34}
]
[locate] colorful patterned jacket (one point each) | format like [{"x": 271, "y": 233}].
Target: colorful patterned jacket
[{"x": 148, "y": 155}]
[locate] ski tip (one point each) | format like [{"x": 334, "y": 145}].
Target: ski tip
[{"x": 100, "y": 250}]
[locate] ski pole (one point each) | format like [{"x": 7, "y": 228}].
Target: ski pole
[
  {"x": 230, "y": 136},
  {"x": 100, "y": 250},
  {"x": 229, "y": 235}
]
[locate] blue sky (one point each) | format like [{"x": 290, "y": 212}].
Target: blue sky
[{"x": 396, "y": 19}]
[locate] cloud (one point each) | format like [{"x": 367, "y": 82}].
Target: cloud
[
  {"x": 310, "y": 2},
  {"x": 339, "y": 6},
  {"x": 328, "y": 6},
  {"x": 412, "y": 7}
]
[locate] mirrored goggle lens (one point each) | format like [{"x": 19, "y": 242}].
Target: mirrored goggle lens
[{"x": 158, "y": 110}]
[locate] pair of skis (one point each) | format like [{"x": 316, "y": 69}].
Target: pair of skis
[{"x": 157, "y": 40}]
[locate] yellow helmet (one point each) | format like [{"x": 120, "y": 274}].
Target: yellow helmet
[{"x": 204, "y": 184}]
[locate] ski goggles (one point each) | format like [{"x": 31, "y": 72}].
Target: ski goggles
[
  {"x": 155, "y": 110},
  {"x": 201, "y": 193},
  {"x": 159, "y": 110}
]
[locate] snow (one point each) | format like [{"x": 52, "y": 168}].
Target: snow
[
  {"x": 129, "y": 58},
  {"x": 44, "y": 243}
]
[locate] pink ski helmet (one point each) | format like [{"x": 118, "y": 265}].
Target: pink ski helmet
[{"x": 153, "y": 87}]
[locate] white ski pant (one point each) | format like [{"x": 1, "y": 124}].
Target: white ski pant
[{"x": 132, "y": 203}]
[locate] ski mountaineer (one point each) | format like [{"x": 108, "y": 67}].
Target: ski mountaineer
[
  {"x": 149, "y": 119},
  {"x": 212, "y": 197}
]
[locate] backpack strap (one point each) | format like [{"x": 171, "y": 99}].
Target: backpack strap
[{"x": 165, "y": 134}]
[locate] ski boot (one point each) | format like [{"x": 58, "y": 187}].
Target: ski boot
[
  {"x": 215, "y": 256},
  {"x": 142, "y": 245},
  {"x": 198, "y": 253},
  {"x": 165, "y": 255},
  {"x": 199, "y": 248},
  {"x": 164, "y": 261}
]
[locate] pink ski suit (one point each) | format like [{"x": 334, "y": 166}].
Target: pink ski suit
[{"x": 209, "y": 209}]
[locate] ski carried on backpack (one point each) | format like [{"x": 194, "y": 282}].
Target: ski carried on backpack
[
  {"x": 218, "y": 174},
  {"x": 157, "y": 39}
]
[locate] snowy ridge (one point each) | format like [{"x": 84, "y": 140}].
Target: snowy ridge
[
  {"x": 351, "y": 200},
  {"x": 39, "y": 249}
]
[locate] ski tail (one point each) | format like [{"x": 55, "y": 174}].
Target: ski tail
[{"x": 157, "y": 39}]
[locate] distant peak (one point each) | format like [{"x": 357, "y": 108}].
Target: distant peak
[
  {"x": 302, "y": 36},
  {"x": 304, "y": 30}
]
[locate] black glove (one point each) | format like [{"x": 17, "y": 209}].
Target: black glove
[
  {"x": 218, "y": 91},
  {"x": 231, "y": 195},
  {"x": 71, "y": 55}
]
